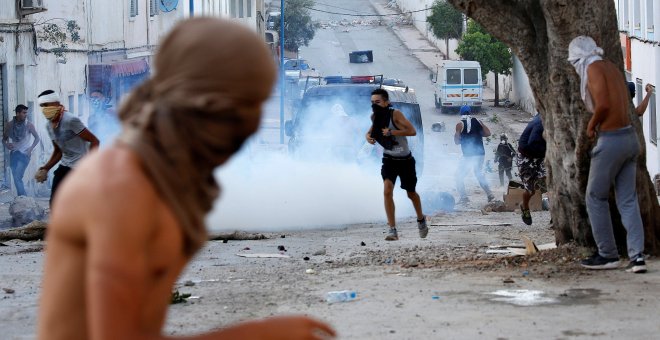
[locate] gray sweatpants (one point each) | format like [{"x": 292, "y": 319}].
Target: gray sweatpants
[{"x": 614, "y": 161}]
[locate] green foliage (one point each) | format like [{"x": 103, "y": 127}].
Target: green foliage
[
  {"x": 492, "y": 54},
  {"x": 299, "y": 29},
  {"x": 445, "y": 21}
]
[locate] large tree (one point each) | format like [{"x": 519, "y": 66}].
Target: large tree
[
  {"x": 445, "y": 21},
  {"x": 538, "y": 32},
  {"x": 299, "y": 29},
  {"x": 493, "y": 55}
]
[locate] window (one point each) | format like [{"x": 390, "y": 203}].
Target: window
[
  {"x": 626, "y": 15},
  {"x": 637, "y": 26},
  {"x": 232, "y": 8},
  {"x": 453, "y": 76},
  {"x": 653, "y": 120},
  {"x": 133, "y": 8},
  {"x": 153, "y": 8},
  {"x": 649, "y": 20},
  {"x": 470, "y": 76},
  {"x": 639, "y": 91},
  {"x": 81, "y": 105},
  {"x": 240, "y": 8},
  {"x": 20, "y": 84},
  {"x": 71, "y": 106},
  {"x": 249, "y": 9}
]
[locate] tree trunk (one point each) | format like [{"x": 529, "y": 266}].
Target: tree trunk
[
  {"x": 447, "y": 44},
  {"x": 497, "y": 90},
  {"x": 539, "y": 32}
]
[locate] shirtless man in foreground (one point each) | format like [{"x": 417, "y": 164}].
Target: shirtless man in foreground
[
  {"x": 614, "y": 158},
  {"x": 122, "y": 230}
]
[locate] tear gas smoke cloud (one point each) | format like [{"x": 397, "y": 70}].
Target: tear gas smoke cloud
[
  {"x": 332, "y": 178},
  {"x": 327, "y": 182}
]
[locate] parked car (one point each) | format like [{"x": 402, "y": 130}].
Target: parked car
[
  {"x": 458, "y": 83},
  {"x": 293, "y": 68},
  {"x": 332, "y": 119}
]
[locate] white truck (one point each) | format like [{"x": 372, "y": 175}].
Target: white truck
[{"x": 458, "y": 83}]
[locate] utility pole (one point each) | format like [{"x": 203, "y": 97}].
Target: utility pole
[
  {"x": 192, "y": 8},
  {"x": 282, "y": 72}
]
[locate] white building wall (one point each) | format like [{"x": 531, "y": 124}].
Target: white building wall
[
  {"x": 645, "y": 62},
  {"x": 419, "y": 21},
  {"x": 28, "y": 73},
  {"x": 515, "y": 86},
  {"x": 521, "y": 90}
]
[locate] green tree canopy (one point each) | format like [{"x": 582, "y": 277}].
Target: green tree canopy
[
  {"x": 492, "y": 54},
  {"x": 445, "y": 21},
  {"x": 298, "y": 27}
]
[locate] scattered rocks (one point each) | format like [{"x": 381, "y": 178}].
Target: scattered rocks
[
  {"x": 24, "y": 210},
  {"x": 8, "y": 290}
]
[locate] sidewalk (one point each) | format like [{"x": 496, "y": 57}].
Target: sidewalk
[{"x": 417, "y": 44}]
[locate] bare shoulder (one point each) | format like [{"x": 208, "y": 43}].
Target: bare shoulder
[{"x": 108, "y": 185}]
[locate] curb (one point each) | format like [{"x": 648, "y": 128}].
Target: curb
[{"x": 381, "y": 11}]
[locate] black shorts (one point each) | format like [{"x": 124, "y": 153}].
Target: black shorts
[{"x": 404, "y": 167}]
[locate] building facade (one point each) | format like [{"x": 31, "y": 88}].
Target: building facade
[
  {"x": 641, "y": 51},
  {"x": 88, "y": 49}
]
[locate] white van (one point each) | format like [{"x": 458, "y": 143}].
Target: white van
[{"x": 458, "y": 83}]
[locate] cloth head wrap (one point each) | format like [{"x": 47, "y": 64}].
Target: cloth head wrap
[
  {"x": 582, "y": 51},
  {"x": 465, "y": 115},
  {"x": 49, "y": 98},
  {"x": 204, "y": 100}
]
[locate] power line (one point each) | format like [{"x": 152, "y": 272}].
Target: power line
[
  {"x": 363, "y": 15},
  {"x": 332, "y": 6}
]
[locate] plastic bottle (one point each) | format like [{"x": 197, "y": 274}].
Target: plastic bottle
[{"x": 340, "y": 296}]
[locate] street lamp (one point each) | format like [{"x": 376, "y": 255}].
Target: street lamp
[{"x": 282, "y": 72}]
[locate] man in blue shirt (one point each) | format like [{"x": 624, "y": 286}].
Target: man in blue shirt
[{"x": 469, "y": 135}]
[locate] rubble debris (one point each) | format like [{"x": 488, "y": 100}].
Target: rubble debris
[
  {"x": 264, "y": 255},
  {"x": 8, "y": 290},
  {"x": 319, "y": 252},
  {"x": 236, "y": 236},
  {"x": 35, "y": 230},
  {"x": 363, "y": 244},
  {"x": 310, "y": 271},
  {"x": 178, "y": 297},
  {"x": 24, "y": 210},
  {"x": 281, "y": 248},
  {"x": 306, "y": 258}
]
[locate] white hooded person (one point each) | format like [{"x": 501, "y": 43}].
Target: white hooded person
[{"x": 604, "y": 91}]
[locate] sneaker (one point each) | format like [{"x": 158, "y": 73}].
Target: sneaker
[
  {"x": 423, "y": 229},
  {"x": 598, "y": 262},
  {"x": 491, "y": 197},
  {"x": 527, "y": 216},
  {"x": 392, "y": 235},
  {"x": 637, "y": 266}
]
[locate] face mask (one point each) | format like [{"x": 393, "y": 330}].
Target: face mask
[
  {"x": 51, "y": 111},
  {"x": 377, "y": 108}
]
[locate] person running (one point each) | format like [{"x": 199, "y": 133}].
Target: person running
[
  {"x": 390, "y": 128},
  {"x": 613, "y": 158},
  {"x": 125, "y": 226},
  {"x": 470, "y": 133},
  {"x": 531, "y": 167},
  {"x": 504, "y": 155},
  {"x": 18, "y": 130},
  {"x": 71, "y": 140}
]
